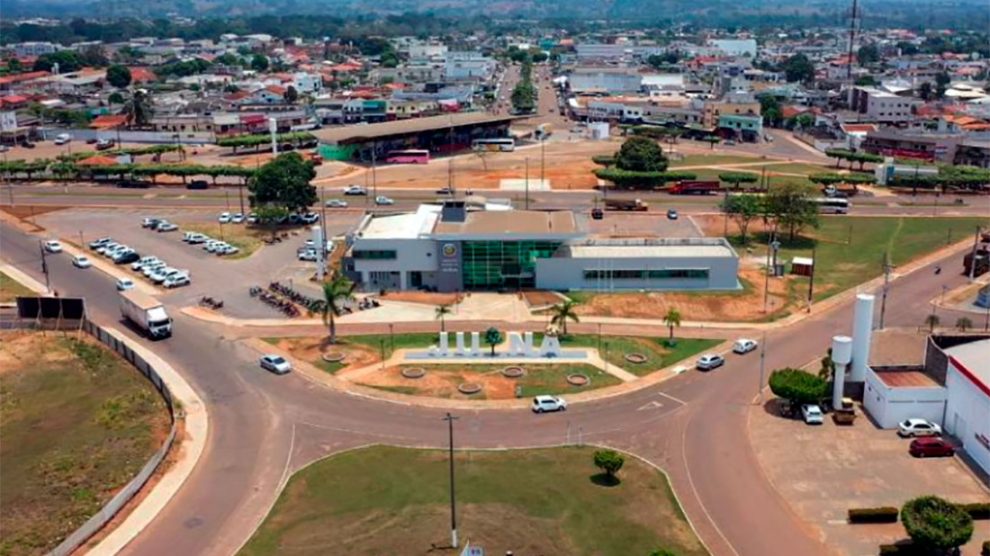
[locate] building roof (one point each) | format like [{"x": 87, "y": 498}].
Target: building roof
[
  {"x": 106, "y": 121},
  {"x": 410, "y": 225},
  {"x": 506, "y": 224},
  {"x": 362, "y": 133},
  {"x": 905, "y": 378},
  {"x": 973, "y": 361},
  {"x": 97, "y": 160},
  {"x": 648, "y": 248}
]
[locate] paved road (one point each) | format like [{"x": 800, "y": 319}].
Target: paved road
[{"x": 263, "y": 426}]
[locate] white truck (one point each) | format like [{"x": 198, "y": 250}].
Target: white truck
[{"x": 147, "y": 313}]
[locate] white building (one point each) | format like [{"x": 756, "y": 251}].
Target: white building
[
  {"x": 880, "y": 106},
  {"x": 307, "y": 82},
  {"x": 967, "y": 414},
  {"x": 735, "y": 47},
  {"x": 28, "y": 49}
]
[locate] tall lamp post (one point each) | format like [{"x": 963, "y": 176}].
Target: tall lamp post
[{"x": 453, "y": 506}]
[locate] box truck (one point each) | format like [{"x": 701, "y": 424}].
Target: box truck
[{"x": 147, "y": 313}]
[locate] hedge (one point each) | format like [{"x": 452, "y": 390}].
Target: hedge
[
  {"x": 603, "y": 159},
  {"x": 977, "y": 510},
  {"x": 264, "y": 138},
  {"x": 986, "y": 549},
  {"x": 902, "y": 548},
  {"x": 829, "y": 179},
  {"x": 640, "y": 180},
  {"x": 882, "y": 514}
]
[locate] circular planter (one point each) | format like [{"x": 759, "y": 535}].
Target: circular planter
[
  {"x": 333, "y": 356},
  {"x": 513, "y": 372},
  {"x": 636, "y": 358},
  {"x": 414, "y": 372},
  {"x": 578, "y": 380},
  {"x": 469, "y": 388}
]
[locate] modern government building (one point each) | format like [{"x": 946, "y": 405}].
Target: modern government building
[{"x": 473, "y": 245}]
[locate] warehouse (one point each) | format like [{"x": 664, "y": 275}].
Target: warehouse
[{"x": 473, "y": 245}]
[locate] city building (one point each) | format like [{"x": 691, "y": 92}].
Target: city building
[
  {"x": 879, "y": 106},
  {"x": 466, "y": 245}
]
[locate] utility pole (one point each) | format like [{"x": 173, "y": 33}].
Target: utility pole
[
  {"x": 527, "y": 183},
  {"x": 972, "y": 258},
  {"x": 887, "y": 267},
  {"x": 766, "y": 279},
  {"x": 811, "y": 283},
  {"x": 44, "y": 265},
  {"x": 763, "y": 359},
  {"x": 453, "y": 506},
  {"x": 543, "y": 155},
  {"x": 374, "y": 175}
]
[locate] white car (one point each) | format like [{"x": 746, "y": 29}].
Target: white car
[
  {"x": 149, "y": 222},
  {"x": 812, "y": 414},
  {"x": 97, "y": 243},
  {"x": 355, "y": 190},
  {"x": 227, "y": 249},
  {"x": 307, "y": 255},
  {"x": 103, "y": 248},
  {"x": 176, "y": 280},
  {"x": 53, "y": 246},
  {"x": 162, "y": 274},
  {"x": 744, "y": 345},
  {"x": 151, "y": 269},
  {"x": 224, "y": 218},
  {"x": 276, "y": 364},
  {"x": 543, "y": 404},
  {"x": 213, "y": 245},
  {"x": 81, "y": 261},
  {"x": 143, "y": 262},
  {"x": 310, "y": 244},
  {"x": 382, "y": 200},
  {"x": 194, "y": 238},
  {"x": 918, "y": 427},
  {"x": 336, "y": 203},
  {"x": 164, "y": 226},
  {"x": 62, "y": 138},
  {"x": 709, "y": 361},
  {"x": 237, "y": 218},
  {"x": 124, "y": 284}
]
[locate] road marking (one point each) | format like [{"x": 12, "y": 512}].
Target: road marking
[
  {"x": 668, "y": 396},
  {"x": 694, "y": 489},
  {"x": 651, "y": 405},
  {"x": 837, "y": 522}
]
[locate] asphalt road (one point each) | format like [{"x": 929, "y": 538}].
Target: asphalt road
[{"x": 264, "y": 426}]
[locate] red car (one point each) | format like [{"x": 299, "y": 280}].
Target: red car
[{"x": 931, "y": 446}]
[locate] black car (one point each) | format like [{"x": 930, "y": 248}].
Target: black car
[
  {"x": 198, "y": 184},
  {"x": 597, "y": 214},
  {"x": 134, "y": 184},
  {"x": 128, "y": 257}
]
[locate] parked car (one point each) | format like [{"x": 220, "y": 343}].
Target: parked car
[
  {"x": 355, "y": 190},
  {"x": 445, "y": 191},
  {"x": 931, "y": 446},
  {"x": 227, "y": 249},
  {"x": 53, "y": 246},
  {"x": 149, "y": 222},
  {"x": 336, "y": 203},
  {"x": 176, "y": 280},
  {"x": 744, "y": 345},
  {"x": 62, "y": 138},
  {"x": 110, "y": 245},
  {"x": 124, "y": 284},
  {"x": 305, "y": 254},
  {"x": 194, "y": 238},
  {"x": 128, "y": 256},
  {"x": 224, "y": 218},
  {"x": 237, "y": 218},
  {"x": 276, "y": 364},
  {"x": 918, "y": 427},
  {"x": 543, "y": 404},
  {"x": 81, "y": 261},
  {"x": 812, "y": 414},
  {"x": 382, "y": 200},
  {"x": 117, "y": 249},
  {"x": 709, "y": 361},
  {"x": 153, "y": 268},
  {"x": 198, "y": 184},
  {"x": 105, "y": 144},
  {"x": 672, "y": 214},
  {"x": 97, "y": 243},
  {"x": 166, "y": 227},
  {"x": 143, "y": 262}
]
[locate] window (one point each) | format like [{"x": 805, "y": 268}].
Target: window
[
  {"x": 666, "y": 274},
  {"x": 372, "y": 254}
]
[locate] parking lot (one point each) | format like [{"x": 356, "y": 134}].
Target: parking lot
[
  {"x": 824, "y": 470},
  {"x": 218, "y": 277}
]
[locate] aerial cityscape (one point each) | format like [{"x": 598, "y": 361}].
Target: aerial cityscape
[{"x": 529, "y": 278}]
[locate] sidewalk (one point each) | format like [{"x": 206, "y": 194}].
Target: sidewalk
[{"x": 22, "y": 278}]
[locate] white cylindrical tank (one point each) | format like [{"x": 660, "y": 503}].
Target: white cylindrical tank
[
  {"x": 841, "y": 354},
  {"x": 599, "y": 130},
  {"x": 862, "y": 335}
]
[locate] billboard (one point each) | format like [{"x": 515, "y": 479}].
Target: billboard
[
  {"x": 68, "y": 308},
  {"x": 8, "y": 121}
]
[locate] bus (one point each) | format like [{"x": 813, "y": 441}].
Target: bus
[
  {"x": 503, "y": 144},
  {"x": 833, "y": 206},
  {"x": 410, "y": 156}
]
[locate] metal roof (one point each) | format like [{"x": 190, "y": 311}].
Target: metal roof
[{"x": 367, "y": 132}]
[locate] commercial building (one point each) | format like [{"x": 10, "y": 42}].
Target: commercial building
[
  {"x": 473, "y": 245},
  {"x": 879, "y": 106}
]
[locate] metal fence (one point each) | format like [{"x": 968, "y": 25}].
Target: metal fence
[{"x": 108, "y": 511}]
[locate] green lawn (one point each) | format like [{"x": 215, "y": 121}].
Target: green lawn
[
  {"x": 800, "y": 168},
  {"x": 659, "y": 356},
  {"x": 714, "y": 159},
  {"x": 386, "y": 500},
  {"x": 10, "y": 288},
  {"x": 377, "y": 342},
  {"x": 842, "y": 265},
  {"x": 77, "y": 423},
  {"x": 539, "y": 379}
]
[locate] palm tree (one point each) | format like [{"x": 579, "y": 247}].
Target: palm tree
[
  {"x": 932, "y": 321},
  {"x": 440, "y": 312},
  {"x": 335, "y": 293},
  {"x": 138, "y": 108},
  {"x": 964, "y": 324},
  {"x": 563, "y": 311},
  {"x": 672, "y": 319}
]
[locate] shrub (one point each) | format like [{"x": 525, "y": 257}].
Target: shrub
[
  {"x": 797, "y": 386},
  {"x": 883, "y": 514},
  {"x": 976, "y": 510},
  {"x": 936, "y": 524},
  {"x": 986, "y": 549}
]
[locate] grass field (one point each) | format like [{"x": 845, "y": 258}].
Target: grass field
[
  {"x": 77, "y": 424},
  {"x": 850, "y": 250},
  {"x": 248, "y": 240},
  {"x": 714, "y": 159},
  {"x": 385, "y": 500},
  {"x": 10, "y": 288},
  {"x": 442, "y": 380},
  {"x": 615, "y": 348}
]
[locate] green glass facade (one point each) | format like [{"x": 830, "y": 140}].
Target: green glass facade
[{"x": 488, "y": 265}]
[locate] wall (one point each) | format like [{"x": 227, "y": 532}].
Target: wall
[
  {"x": 562, "y": 273},
  {"x": 79, "y": 137},
  {"x": 967, "y": 416},
  {"x": 889, "y": 406}
]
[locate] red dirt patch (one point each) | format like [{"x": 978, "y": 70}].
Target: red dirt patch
[{"x": 426, "y": 298}]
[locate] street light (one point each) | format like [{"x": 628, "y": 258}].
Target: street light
[{"x": 453, "y": 506}]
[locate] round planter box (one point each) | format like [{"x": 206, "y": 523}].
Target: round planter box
[
  {"x": 513, "y": 372},
  {"x": 636, "y": 358},
  {"x": 578, "y": 380},
  {"x": 414, "y": 372},
  {"x": 333, "y": 356},
  {"x": 469, "y": 388}
]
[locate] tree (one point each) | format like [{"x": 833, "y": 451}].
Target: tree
[
  {"x": 925, "y": 91},
  {"x": 743, "y": 209},
  {"x": 493, "y": 337},
  {"x": 827, "y": 369},
  {"x": 284, "y": 182},
  {"x": 936, "y": 525},
  {"x": 67, "y": 60},
  {"x": 866, "y": 81},
  {"x": 563, "y": 311},
  {"x": 770, "y": 110},
  {"x": 799, "y": 68},
  {"x": 964, "y": 324},
  {"x": 335, "y": 293},
  {"x": 797, "y": 386},
  {"x": 932, "y": 321},
  {"x": 291, "y": 95},
  {"x": 440, "y": 312},
  {"x": 115, "y": 98},
  {"x": 610, "y": 462},
  {"x": 14, "y": 65},
  {"x": 868, "y": 54},
  {"x": 735, "y": 178},
  {"x": 641, "y": 154},
  {"x": 839, "y": 155},
  {"x": 792, "y": 206},
  {"x": 138, "y": 109},
  {"x": 270, "y": 215},
  {"x": 672, "y": 319},
  {"x": 118, "y": 76},
  {"x": 941, "y": 84},
  {"x": 259, "y": 62}
]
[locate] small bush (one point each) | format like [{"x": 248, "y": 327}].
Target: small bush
[
  {"x": 986, "y": 549},
  {"x": 902, "y": 548},
  {"x": 883, "y": 514},
  {"x": 977, "y": 510}
]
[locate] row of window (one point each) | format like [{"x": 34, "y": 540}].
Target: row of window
[
  {"x": 634, "y": 274},
  {"x": 374, "y": 254}
]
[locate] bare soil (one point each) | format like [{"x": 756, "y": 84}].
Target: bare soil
[
  {"x": 426, "y": 298},
  {"x": 311, "y": 349},
  {"x": 444, "y": 385},
  {"x": 537, "y": 298}
]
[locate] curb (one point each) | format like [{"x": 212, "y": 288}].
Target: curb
[
  {"x": 22, "y": 278},
  {"x": 192, "y": 447}
]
